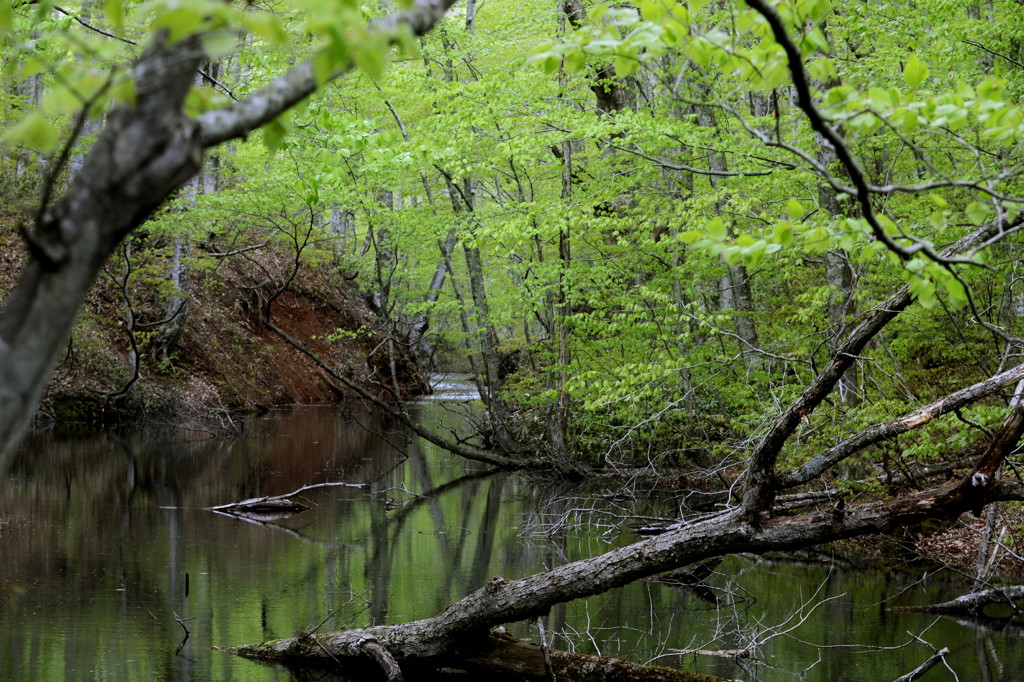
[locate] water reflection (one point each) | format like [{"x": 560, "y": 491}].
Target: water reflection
[{"x": 106, "y": 543}]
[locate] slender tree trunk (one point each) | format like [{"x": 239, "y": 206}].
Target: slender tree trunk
[
  {"x": 560, "y": 423},
  {"x": 91, "y": 125},
  {"x": 735, "y": 289},
  {"x": 839, "y": 275},
  {"x": 463, "y": 204},
  {"x": 342, "y": 227},
  {"x": 468, "y": 330},
  {"x": 179, "y": 306}
]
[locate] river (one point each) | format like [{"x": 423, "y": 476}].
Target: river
[{"x": 109, "y": 554}]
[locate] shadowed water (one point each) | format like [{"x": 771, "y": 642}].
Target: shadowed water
[{"x": 108, "y": 554}]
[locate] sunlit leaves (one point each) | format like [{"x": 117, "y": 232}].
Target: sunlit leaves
[
  {"x": 181, "y": 19},
  {"x": 113, "y": 11},
  {"x": 274, "y": 133},
  {"x": 6, "y": 17},
  {"x": 977, "y": 212},
  {"x": 915, "y": 72},
  {"x": 35, "y": 132},
  {"x": 716, "y": 230}
]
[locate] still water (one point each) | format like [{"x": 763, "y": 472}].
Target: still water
[{"x": 108, "y": 554}]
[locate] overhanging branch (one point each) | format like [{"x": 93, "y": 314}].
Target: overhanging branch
[{"x": 273, "y": 99}]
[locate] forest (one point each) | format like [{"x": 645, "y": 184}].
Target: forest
[{"x": 766, "y": 251}]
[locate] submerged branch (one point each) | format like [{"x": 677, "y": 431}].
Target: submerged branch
[{"x": 279, "y": 502}]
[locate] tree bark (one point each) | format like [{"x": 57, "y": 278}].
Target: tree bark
[
  {"x": 142, "y": 156},
  {"x": 735, "y": 290},
  {"x": 145, "y": 152}
]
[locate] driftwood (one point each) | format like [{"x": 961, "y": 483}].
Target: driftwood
[
  {"x": 971, "y": 604},
  {"x": 275, "y": 506}
]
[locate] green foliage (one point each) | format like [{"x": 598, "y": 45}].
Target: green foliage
[{"x": 707, "y": 169}]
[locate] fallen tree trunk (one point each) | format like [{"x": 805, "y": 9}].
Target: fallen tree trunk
[
  {"x": 462, "y": 630},
  {"x": 971, "y": 604}
]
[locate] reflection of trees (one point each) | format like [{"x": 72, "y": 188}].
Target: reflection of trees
[
  {"x": 107, "y": 527},
  {"x": 107, "y": 532}
]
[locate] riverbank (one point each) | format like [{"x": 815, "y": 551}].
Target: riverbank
[{"x": 226, "y": 361}]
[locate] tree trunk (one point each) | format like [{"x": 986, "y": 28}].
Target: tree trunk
[
  {"x": 487, "y": 339},
  {"x": 146, "y": 151},
  {"x": 143, "y": 155},
  {"x": 342, "y": 227},
  {"x": 735, "y": 289},
  {"x": 178, "y": 308},
  {"x": 840, "y": 277}
]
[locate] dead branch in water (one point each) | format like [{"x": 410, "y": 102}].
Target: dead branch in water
[{"x": 278, "y": 503}]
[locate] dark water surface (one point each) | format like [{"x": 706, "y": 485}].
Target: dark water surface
[{"x": 106, "y": 541}]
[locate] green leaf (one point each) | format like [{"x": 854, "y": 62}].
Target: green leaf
[
  {"x": 906, "y": 120},
  {"x": 625, "y": 65},
  {"x": 34, "y": 132},
  {"x": 180, "y": 22},
  {"x": 716, "y": 230},
  {"x": 955, "y": 292},
  {"x": 575, "y": 61},
  {"x": 113, "y": 10},
  {"x": 783, "y": 234},
  {"x": 6, "y": 15},
  {"x": 881, "y": 100},
  {"x": 370, "y": 55},
  {"x": 700, "y": 52},
  {"x": 653, "y": 10},
  {"x": 924, "y": 290},
  {"x": 273, "y": 135},
  {"x": 978, "y": 212},
  {"x": 794, "y": 209},
  {"x": 915, "y": 72},
  {"x": 267, "y": 26}
]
